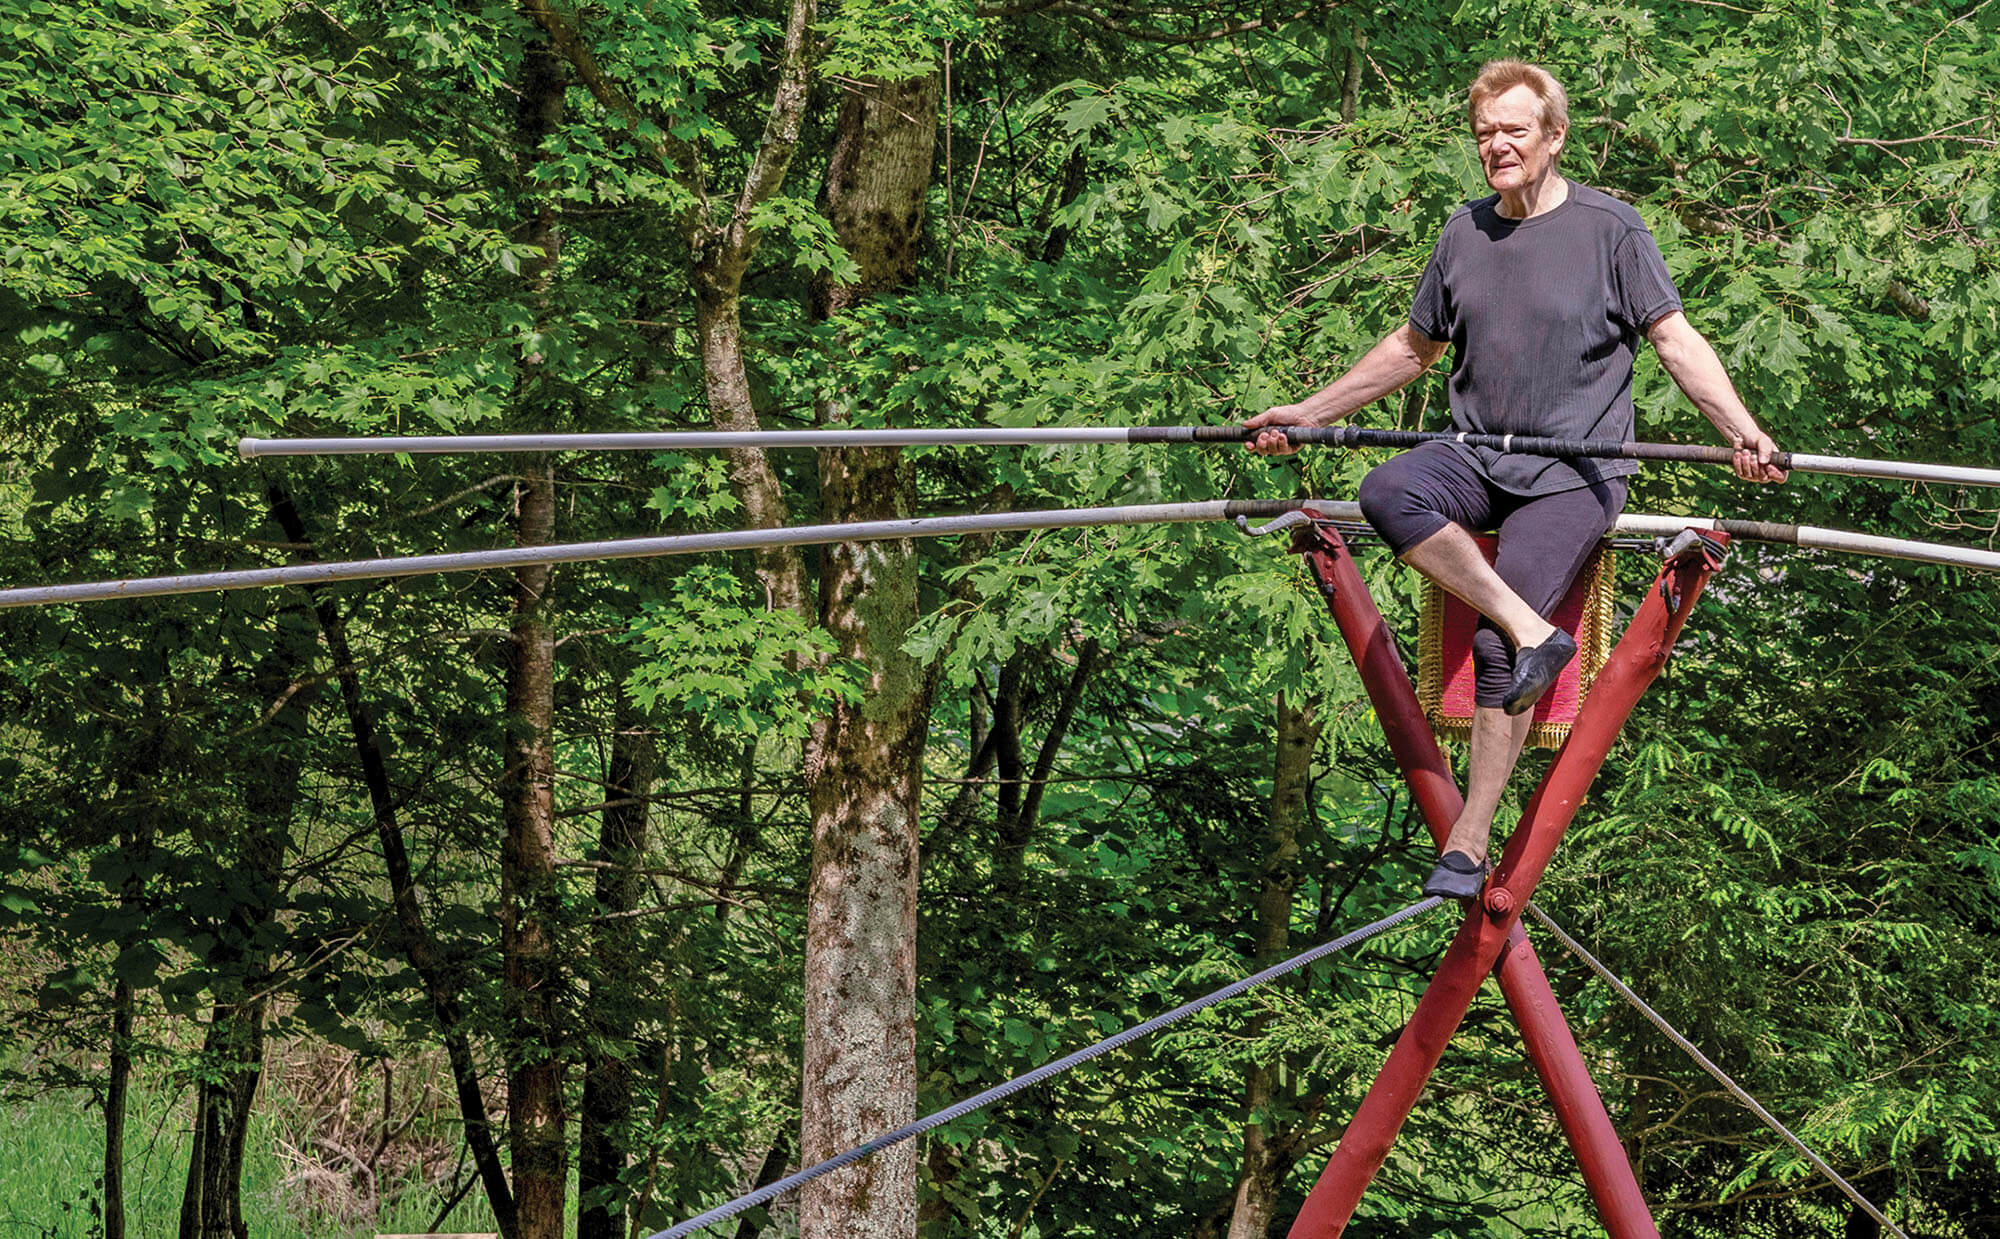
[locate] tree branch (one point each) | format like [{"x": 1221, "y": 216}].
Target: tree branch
[
  {"x": 1045, "y": 759},
  {"x": 675, "y": 157},
  {"x": 788, "y": 107}
]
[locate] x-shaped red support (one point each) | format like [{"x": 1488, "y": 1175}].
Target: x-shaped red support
[{"x": 1491, "y": 932}]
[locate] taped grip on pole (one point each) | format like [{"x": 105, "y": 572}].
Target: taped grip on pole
[{"x": 1187, "y": 434}]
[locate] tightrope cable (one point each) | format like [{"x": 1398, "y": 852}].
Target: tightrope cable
[
  {"x": 1735, "y": 1090},
  {"x": 1046, "y": 1071}
]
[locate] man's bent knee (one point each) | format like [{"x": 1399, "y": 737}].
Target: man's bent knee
[
  {"x": 1380, "y": 497},
  {"x": 1403, "y": 516}
]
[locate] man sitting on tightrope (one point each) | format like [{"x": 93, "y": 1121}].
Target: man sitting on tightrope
[{"x": 1542, "y": 291}]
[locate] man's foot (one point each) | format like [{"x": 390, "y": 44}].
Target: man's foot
[
  {"x": 1535, "y": 668},
  {"x": 1457, "y": 876}
]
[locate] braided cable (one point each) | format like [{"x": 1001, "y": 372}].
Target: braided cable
[
  {"x": 1045, "y": 1071},
  {"x": 1735, "y": 1090}
]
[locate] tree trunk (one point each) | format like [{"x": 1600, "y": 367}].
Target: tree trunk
[
  {"x": 1009, "y": 761},
  {"x": 718, "y": 321},
  {"x": 441, "y": 975},
  {"x": 724, "y": 248},
  {"x": 233, "y": 1046},
  {"x": 233, "y": 1054},
  {"x": 1350, "y": 84},
  {"x": 863, "y": 771},
  {"x": 1017, "y": 830},
  {"x": 235, "y": 1135},
  {"x": 943, "y": 1167},
  {"x": 861, "y": 911},
  {"x": 1063, "y": 193},
  {"x": 1268, "y": 1151},
  {"x": 135, "y": 837},
  {"x": 772, "y": 1169},
  {"x": 608, "y": 1069},
  {"x": 117, "y": 1087},
  {"x": 746, "y": 830},
  {"x": 722, "y": 241},
  {"x": 197, "y": 1175},
  {"x": 531, "y": 976}
]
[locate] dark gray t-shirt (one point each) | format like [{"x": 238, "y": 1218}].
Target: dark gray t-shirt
[{"x": 1544, "y": 316}]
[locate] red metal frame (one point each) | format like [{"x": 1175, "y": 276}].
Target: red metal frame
[{"x": 1491, "y": 932}]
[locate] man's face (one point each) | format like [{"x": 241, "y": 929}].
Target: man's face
[{"x": 1513, "y": 149}]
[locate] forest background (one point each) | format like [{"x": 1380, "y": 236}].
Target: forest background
[{"x": 538, "y": 902}]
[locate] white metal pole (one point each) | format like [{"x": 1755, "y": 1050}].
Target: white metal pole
[
  {"x": 311, "y": 574},
  {"x": 1813, "y": 537},
  {"x": 1027, "y": 436},
  {"x": 630, "y": 548},
  {"x": 1897, "y": 470},
  {"x": 685, "y": 440}
]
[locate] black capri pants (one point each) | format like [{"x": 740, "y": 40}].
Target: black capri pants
[{"x": 1544, "y": 539}]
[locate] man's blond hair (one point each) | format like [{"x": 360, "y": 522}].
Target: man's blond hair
[{"x": 1497, "y": 77}]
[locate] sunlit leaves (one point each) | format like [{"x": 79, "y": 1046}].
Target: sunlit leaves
[
  {"x": 796, "y": 227},
  {"x": 225, "y": 214},
  {"x": 890, "y": 40},
  {"x": 736, "y": 668}
]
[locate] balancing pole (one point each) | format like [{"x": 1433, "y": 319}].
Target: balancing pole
[
  {"x": 1029, "y": 436},
  {"x": 327, "y": 573}
]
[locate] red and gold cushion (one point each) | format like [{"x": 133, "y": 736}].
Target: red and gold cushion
[{"x": 1444, "y": 658}]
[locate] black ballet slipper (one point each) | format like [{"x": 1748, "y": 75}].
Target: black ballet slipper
[
  {"x": 1457, "y": 876},
  {"x": 1535, "y": 668}
]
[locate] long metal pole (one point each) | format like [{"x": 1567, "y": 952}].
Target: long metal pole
[
  {"x": 1551, "y": 1047},
  {"x": 692, "y": 440},
  {"x": 1490, "y": 921},
  {"x": 1813, "y": 537},
  {"x": 640, "y": 548},
  {"x": 1331, "y": 436},
  {"x": 921, "y": 527},
  {"x": 1808, "y": 537}
]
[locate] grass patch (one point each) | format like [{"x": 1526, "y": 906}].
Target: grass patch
[{"x": 51, "y": 1163}]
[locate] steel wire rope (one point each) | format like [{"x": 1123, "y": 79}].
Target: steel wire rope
[
  {"x": 980, "y": 1101},
  {"x": 1721, "y": 1077}
]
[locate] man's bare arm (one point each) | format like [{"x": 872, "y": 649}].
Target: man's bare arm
[
  {"x": 1694, "y": 366},
  {"x": 1396, "y": 359}
]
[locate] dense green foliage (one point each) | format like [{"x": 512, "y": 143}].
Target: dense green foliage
[{"x": 252, "y": 217}]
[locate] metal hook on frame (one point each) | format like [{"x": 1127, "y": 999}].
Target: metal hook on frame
[{"x": 1287, "y": 521}]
